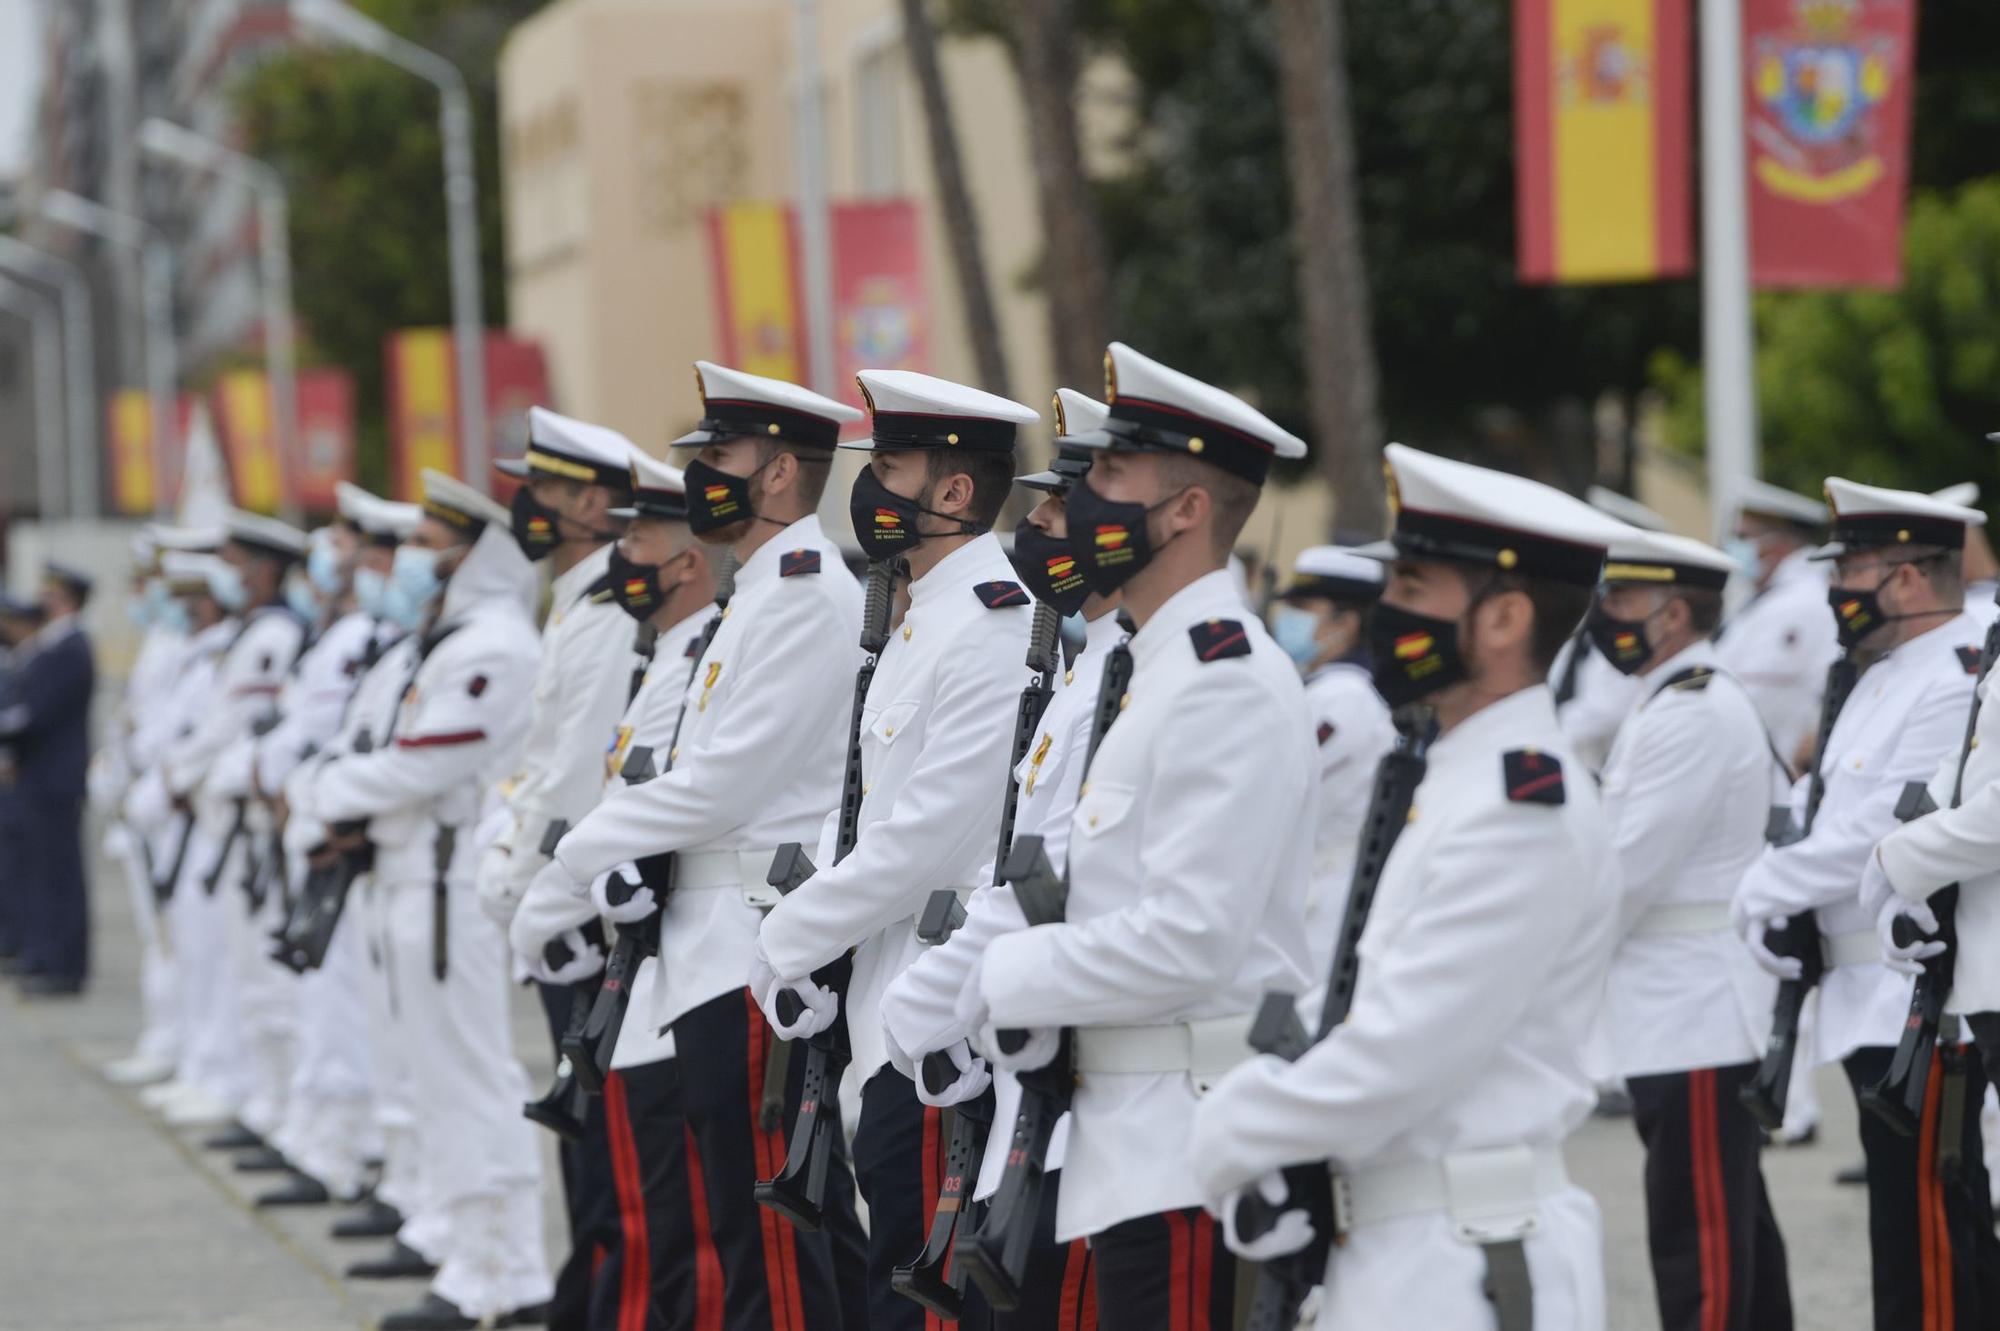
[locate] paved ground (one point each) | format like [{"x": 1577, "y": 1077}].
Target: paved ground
[{"x": 111, "y": 1222}]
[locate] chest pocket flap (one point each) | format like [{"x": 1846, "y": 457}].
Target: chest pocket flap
[
  {"x": 891, "y": 723},
  {"x": 1103, "y": 806}
]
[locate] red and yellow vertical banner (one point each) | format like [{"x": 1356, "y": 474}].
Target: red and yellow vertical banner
[
  {"x": 423, "y": 413},
  {"x": 1602, "y": 114},
  {"x": 326, "y": 438},
  {"x": 881, "y": 315},
  {"x": 128, "y": 436},
  {"x": 753, "y": 248},
  {"x": 1826, "y": 109},
  {"x": 249, "y": 430}
]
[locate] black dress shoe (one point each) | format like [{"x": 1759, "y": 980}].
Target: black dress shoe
[
  {"x": 49, "y": 986},
  {"x": 403, "y": 1261},
  {"x": 376, "y": 1220},
  {"x": 236, "y": 1138},
  {"x": 301, "y": 1191},
  {"x": 263, "y": 1160},
  {"x": 16, "y": 964},
  {"x": 441, "y": 1314},
  {"x": 1854, "y": 1176}
]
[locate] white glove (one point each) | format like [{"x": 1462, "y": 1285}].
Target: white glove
[
  {"x": 1907, "y": 960},
  {"x": 971, "y": 1080},
  {"x": 498, "y": 897},
  {"x": 1040, "y": 1048},
  {"x": 550, "y": 910},
  {"x": 577, "y": 958},
  {"x": 1292, "y": 1233},
  {"x": 1751, "y": 928},
  {"x": 634, "y": 908},
  {"x": 818, "y": 1004},
  {"x": 971, "y": 1011},
  {"x": 899, "y": 1058}
]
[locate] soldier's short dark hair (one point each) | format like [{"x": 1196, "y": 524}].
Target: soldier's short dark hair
[
  {"x": 991, "y": 471},
  {"x": 815, "y": 464},
  {"x": 1232, "y": 497},
  {"x": 1704, "y": 607},
  {"x": 1559, "y": 607}
]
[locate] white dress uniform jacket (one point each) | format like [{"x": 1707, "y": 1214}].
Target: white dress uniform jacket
[
  {"x": 1962, "y": 846},
  {"x": 1481, "y": 968},
  {"x": 1686, "y": 795},
  {"x": 216, "y": 756},
  {"x": 1779, "y": 644},
  {"x": 313, "y": 700},
  {"x": 763, "y": 740},
  {"x": 1905, "y": 716},
  {"x": 920, "y": 1009},
  {"x": 1603, "y": 699},
  {"x": 580, "y": 687},
  {"x": 936, "y": 731},
  {"x": 1352, "y": 727},
  {"x": 1190, "y": 855}
]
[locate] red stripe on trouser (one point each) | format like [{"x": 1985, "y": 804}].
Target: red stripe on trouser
[
  {"x": 635, "y": 1283},
  {"x": 1204, "y": 1270},
  {"x": 1933, "y": 1237},
  {"x": 707, "y": 1262},
  {"x": 1710, "y": 1201},
  {"x": 1070, "y": 1310},
  {"x": 926, "y": 1205},
  {"x": 781, "y": 1267},
  {"x": 1179, "y": 1270}
]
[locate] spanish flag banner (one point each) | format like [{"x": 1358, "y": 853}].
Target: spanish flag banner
[
  {"x": 129, "y": 437},
  {"x": 753, "y": 250},
  {"x": 423, "y": 409},
  {"x": 1602, "y": 112},
  {"x": 250, "y": 439}
]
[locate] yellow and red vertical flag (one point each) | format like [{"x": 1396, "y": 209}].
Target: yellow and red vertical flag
[
  {"x": 250, "y": 439},
  {"x": 1602, "y": 115},
  {"x": 129, "y": 437},
  {"x": 423, "y": 408},
  {"x": 756, "y": 289}
]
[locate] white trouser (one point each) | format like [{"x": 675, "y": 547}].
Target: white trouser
[
  {"x": 159, "y": 1002},
  {"x": 266, "y": 996},
  {"x": 467, "y": 1089},
  {"x": 213, "y": 1050},
  {"x": 330, "y": 1131},
  {"x": 1415, "y": 1271},
  {"x": 404, "y": 1183},
  {"x": 1802, "y": 1100}
]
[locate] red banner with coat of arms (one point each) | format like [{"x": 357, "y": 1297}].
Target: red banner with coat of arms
[{"x": 1827, "y": 113}]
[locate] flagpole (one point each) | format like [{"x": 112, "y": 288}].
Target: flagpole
[{"x": 1729, "y": 370}]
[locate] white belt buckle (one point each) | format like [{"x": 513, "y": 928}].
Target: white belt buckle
[
  {"x": 761, "y": 896},
  {"x": 1215, "y": 1045},
  {"x": 1491, "y": 1194}
]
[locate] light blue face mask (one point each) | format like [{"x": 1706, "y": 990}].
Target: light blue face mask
[
  {"x": 173, "y": 616},
  {"x": 1743, "y": 549},
  {"x": 141, "y": 609},
  {"x": 226, "y": 585},
  {"x": 299, "y": 596},
  {"x": 1293, "y": 629},
  {"x": 413, "y": 585},
  {"x": 371, "y": 588},
  {"x": 158, "y": 598},
  {"x": 323, "y": 568}
]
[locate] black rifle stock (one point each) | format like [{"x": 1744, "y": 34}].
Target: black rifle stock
[
  {"x": 308, "y": 931},
  {"x": 929, "y": 1279},
  {"x": 1765, "y": 1094},
  {"x": 1283, "y": 1283},
  {"x": 799, "y": 1190}
]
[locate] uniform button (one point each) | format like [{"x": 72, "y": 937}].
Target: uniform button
[
  {"x": 887, "y": 731},
  {"x": 1093, "y": 820},
  {"x": 1069, "y": 676},
  {"x": 674, "y": 754},
  {"x": 1124, "y": 701},
  {"x": 865, "y": 789},
  {"x": 907, "y": 631}
]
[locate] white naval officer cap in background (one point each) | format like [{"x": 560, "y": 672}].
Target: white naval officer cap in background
[
  {"x": 1625, "y": 508},
  {"x": 574, "y": 450},
  {"x": 265, "y": 536},
  {"x": 1965, "y": 494},
  {"x": 457, "y": 505},
  {"x": 1335, "y": 572},
  {"x": 1870, "y": 517},
  {"x": 202, "y": 539},
  {"x": 1765, "y": 500},
  {"x": 739, "y": 405},
  {"x": 1156, "y": 408},
  {"x": 1662, "y": 559},
  {"x": 383, "y": 521},
  {"x": 659, "y": 490},
  {"x": 1076, "y": 414},
  {"x": 1459, "y": 513},
  {"x": 190, "y": 570},
  {"x": 912, "y": 410}
]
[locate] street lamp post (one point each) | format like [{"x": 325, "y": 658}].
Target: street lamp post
[
  {"x": 175, "y": 143},
  {"x": 79, "y": 361},
  {"x": 809, "y": 173},
  {"x": 461, "y": 193},
  {"x": 39, "y": 312},
  {"x": 156, "y": 295}
]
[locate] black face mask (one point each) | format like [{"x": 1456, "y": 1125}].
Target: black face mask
[
  {"x": 1856, "y": 614},
  {"x": 1411, "y": 655},
  {"x": 634, "y": 586},
  {"x": 1622, "y": 642},
  {"x": 1109, "y": 537},
  {"x": 1048, "y": 565},
  {"x": 885, "y": 523},
  {"x": 715, "y": 498},
  {"x": 537, "y": 527}
]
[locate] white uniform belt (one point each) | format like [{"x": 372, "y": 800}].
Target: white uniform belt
[
  {"x": 1851, "y": 949},
  {"x": 1205, "y": 1049},
  {"x": 697, "y": 869},
  {"x": 1686, "y": 917},
  {"x": 1488, "y": 1193}
]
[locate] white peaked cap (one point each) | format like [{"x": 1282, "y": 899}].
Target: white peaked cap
[
  {"x": 190, "y": 570},
  {"x": 266, "y": 534},
  {"x": 659, "y": 490},
  {"x": 1663, "y": 557},
  {"x": 1156, "y": 407},
  {"x": 1075, "y": 415},
  {"x": 736, "y": 405},
  {"x": 1337, "y": 572},
  {"x": 1625, "y": 508},
  {"x": 456, "y": 504},
  {"x": 1965, "y": 494},
  {"x": 1869, "y": 517},
  {"x": 912, "y": 410},
  {"x": 169, "y": 537},
  {"x": 374, "y": 515},
  {"x": 1774, "y": 501},
  {"x": 1459, "y": 513},
  {"x": 574, "y": 450}
]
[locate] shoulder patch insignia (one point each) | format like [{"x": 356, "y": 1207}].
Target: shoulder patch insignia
[
  {"x": 694, "y": 646},
  {"x": 996, "y": 595},
  {"x": 1219, "y": 639},
  {"x": 477, "y": 686},
  {"x": 794, "y": 562},
  {"x": 1692, "y": 680},
  {"x": 1325, "y": 731},
  {"x": 1533, "y": 777},
  {"x": 1969, "y": 658}
]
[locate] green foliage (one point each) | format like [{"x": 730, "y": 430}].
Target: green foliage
[
  {"x": 358, "y": 142},
  {"x": 1891, "y": 388}
]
